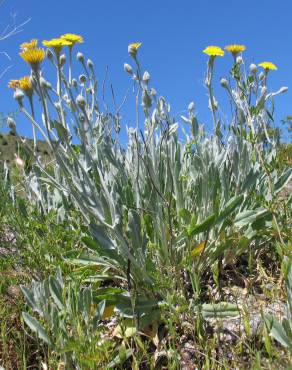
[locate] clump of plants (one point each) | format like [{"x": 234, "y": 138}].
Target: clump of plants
[{"x": 163, "y": 216}]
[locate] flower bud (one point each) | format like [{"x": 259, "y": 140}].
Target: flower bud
[
  {"x": 191, "y": 106},
  {"x": 82, "y": 79},
  {"x": 253, "y": 69},
  {"x": 18, "y": 95},
  {"x": 261, "y": 76},
  {"x": 66, "y": 99},
  {"x": 153, "y": 92},
  {"x": 90, "y": 63},
  {"x": 74, "y": 82},
  {"x": 146, "y": 76},
  {"x": 80, "y": 57},
  {"x": 62, "y": 59},
  {"x": 239, "y": 60},
  {"x": 133, "y": 48},
  {"x": 11, "y": 123},
  {"x": 128, "y": 68},
  {"x": 224, "y": 83},
  {"x": 283, "y": 90},
  {"x": 19, "y": 162},
  {"x": 80, "y": 101},
  {"x": 146, "y": 100}
]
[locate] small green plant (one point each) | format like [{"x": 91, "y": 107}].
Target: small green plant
[
  {"x": 282, "y": 331},
  {"x": 71, "y": 321}
]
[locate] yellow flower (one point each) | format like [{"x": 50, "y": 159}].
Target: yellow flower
[
  {"x": 32, "y": 44},
  {"x": 214, "y": 51},
  {"x": 25, "y": 85},
  {"x": 132, "y": 48},
  {"x": 33, "y": 56},
  {"x": 72, "y": 38},
  {"x": 57, "y": 44},
  {"x": 235, "y": 49},
  {"x": 268, "y": 66},
  {"x": 13, "y": 84}
]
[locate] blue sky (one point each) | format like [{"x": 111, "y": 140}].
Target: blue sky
[{"x": 173, "y": 34}]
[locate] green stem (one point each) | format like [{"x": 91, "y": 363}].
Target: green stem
[
  {"x": 70, "y": 64},
  {"x": 210, "y": 91},
  {"x": 33, "y": 126}
]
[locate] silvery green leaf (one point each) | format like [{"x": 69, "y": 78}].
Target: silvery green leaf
[
  {"x": 219, "y": 310},
  {"x": 87, "y": 299},
  {"x": 29, "y": 297},
  {"x": 36, "y": 327},
  {"x": 59, "y": 277},
  {"x": 98, "y": 314},
  {"x": 185, "y": 119},
  {"x": 56, "y": 292},
  {"x": 247, "y": 217},
  {"x": 173, "y": 128},
  {"x": 277, "y": 331},
  {"x": 283, "y": 180}
]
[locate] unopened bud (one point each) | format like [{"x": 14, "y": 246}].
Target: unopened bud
[
  {"x": 90, "y": 63},
  {"x": 191, "y": 106},
  {"x": 153, "y": 92},
  {"x": 74, "y": 82},
  {"x": 19, "y": 162},
  {"x": 82, "y": 79},
  {"x": 146, "y": 76},
  {"x": 224, "y": 83},
  {"x": 62, "y": 59},
  {"x": 253, "y": 69},
  {"x": 11, "y": 123},
  {"x": 146, "y": 100},
  {"x": 80, "y": 57},
  {"x": 261, "y": 76},
  {"x": 80, "y": 101},
  {"x": 239, "y": 60},
  {"x": 283, "y": 90},
  {"x": 128, "y": 68},
  {"x": 18, "y": 95}
]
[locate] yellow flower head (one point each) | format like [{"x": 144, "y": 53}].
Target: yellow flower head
[
  {"x": 268, "y": 66},
  {"x": 214, "y": 51},
  {"x": 133, "y": 48},
  {"x": 72, "y": 38},
  {"x": 33, "y": 56},
  {"x": 25, "y": 85},
  {"x": 32, "y": 44},
  {"x": 57, "y": 44},
  {"x": 13, "y": 84},
  {"x": 235, "y": 49}
]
